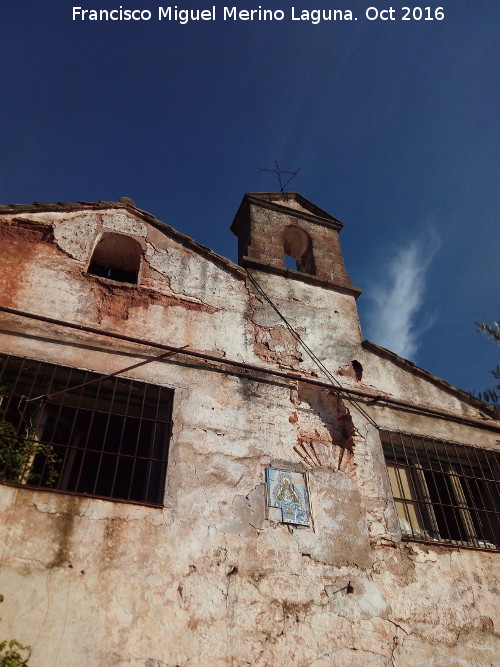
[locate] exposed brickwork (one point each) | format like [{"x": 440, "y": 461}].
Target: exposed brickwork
[
  {"x": 260, "y": 226},
  {"x": 213, "y": 577}
]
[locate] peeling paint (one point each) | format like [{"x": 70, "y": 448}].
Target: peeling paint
[{"x": 212, "y": 578}]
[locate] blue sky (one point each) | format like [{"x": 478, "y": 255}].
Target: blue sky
[{"x": 393, "y": 125}]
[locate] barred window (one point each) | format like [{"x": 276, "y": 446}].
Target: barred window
[
  {"x": 444, "y": 492},
  {"x": 75, "y": 431}
]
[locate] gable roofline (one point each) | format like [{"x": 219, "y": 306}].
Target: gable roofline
[
  {"x": 274, "y": 202},
  {"x": 128, "y": 204},
  {"x": 125, "y": 203},
  {"x": 409, "y": 366}
]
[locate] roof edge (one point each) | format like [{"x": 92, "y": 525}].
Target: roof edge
[
  {"x": 124, "y": 203},
  {"x": 268, "y": 200},
  {"x": 426, "y": 375}
]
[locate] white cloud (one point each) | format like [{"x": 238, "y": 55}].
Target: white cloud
[{"x": 395, "y": 320}]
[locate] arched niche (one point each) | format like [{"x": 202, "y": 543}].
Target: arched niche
[
  {"x": 116, "y": 256},
  {"x": 297, "y": 244}
]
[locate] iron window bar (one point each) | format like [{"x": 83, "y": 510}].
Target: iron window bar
[
  {"x": 77, "y": 432},
  {"x": 444, "y": 492}
]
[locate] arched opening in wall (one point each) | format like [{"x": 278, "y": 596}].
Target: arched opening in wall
[
  {"x": 297, "y": 245},
  {"x": 117, "y": 257}
]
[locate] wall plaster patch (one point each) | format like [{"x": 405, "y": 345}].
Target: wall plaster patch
[{"x": 287, "y": 491}]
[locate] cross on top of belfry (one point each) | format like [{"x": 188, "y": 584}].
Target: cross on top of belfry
[{"x": 279, "y": 173}]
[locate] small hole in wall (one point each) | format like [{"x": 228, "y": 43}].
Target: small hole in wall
[
  {"x": 357, "y": 368},
  {"x": 349, "y": 589}
]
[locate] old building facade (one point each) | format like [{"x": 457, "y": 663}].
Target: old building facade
[{"x": 203, "y": 463}]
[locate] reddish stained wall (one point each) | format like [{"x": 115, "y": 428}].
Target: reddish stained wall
[
  {"x": 22, "y": 243},
  {"x": 115, "y": 301},
  {"x": 210, "y": 578}
]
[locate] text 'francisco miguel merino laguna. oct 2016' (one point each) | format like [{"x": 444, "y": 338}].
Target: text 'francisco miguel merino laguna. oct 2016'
[{"x": 181, "y": 15}]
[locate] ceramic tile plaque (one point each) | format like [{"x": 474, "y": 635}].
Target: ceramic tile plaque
[{"x": 288, "y": 491}]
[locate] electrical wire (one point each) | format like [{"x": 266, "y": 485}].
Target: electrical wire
[
  {"x": 101, "y": 378},
  {"x": 489, "y": 423},
  {"x": 312, "y": 355}
]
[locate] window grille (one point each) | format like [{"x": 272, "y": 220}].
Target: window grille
[
  {"x": 106, "y": 439},
  {"x": 444, "y": 492}
]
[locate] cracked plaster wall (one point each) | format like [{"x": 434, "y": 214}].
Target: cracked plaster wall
[
  {"x": 181, "y": 299},
  {"x": 210, "y": 579}
]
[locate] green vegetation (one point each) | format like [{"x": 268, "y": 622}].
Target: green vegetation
[
  {"x": 19, "y": 454},
  {"x": 11, "y": 652},
  {"x": 492, "y": 332}
]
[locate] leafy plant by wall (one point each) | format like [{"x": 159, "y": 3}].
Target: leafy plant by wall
[
  {"x": 11, "y": 652},
  {"x": 18, "y": 453}
]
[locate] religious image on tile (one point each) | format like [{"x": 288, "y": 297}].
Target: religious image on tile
[{"x": 287, "y": 491}]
